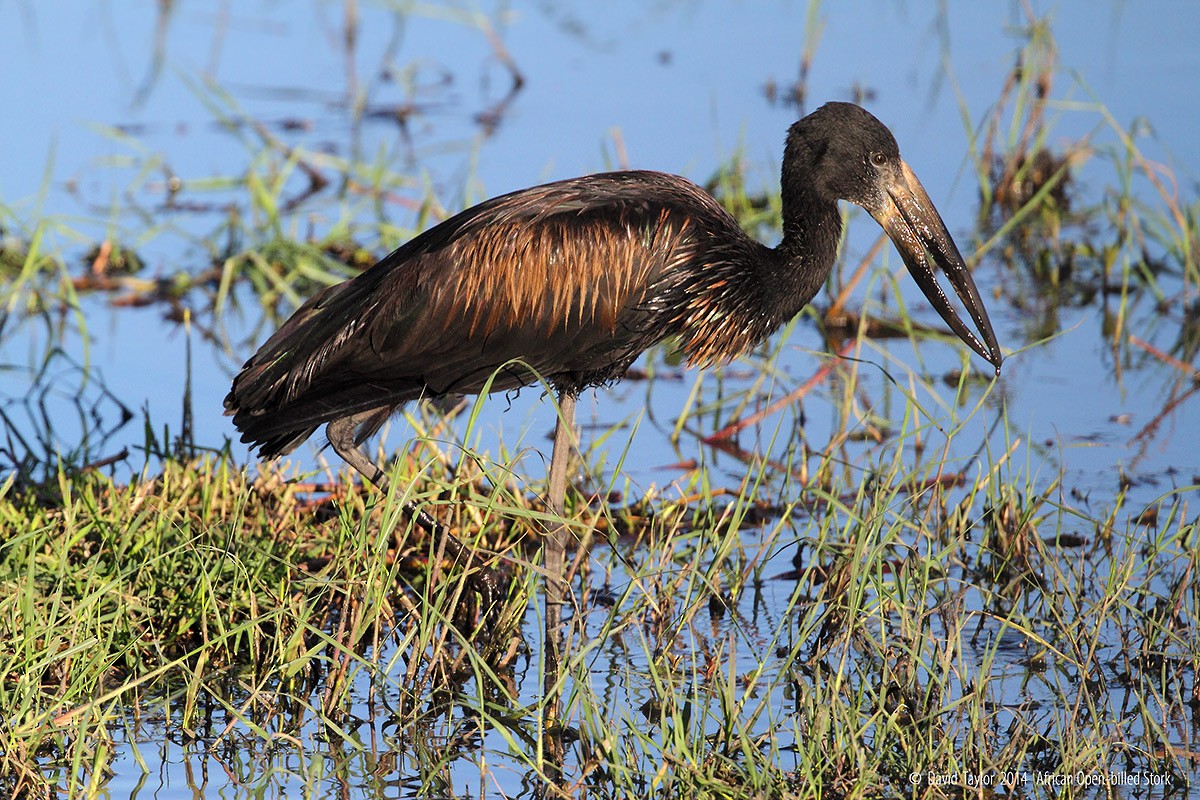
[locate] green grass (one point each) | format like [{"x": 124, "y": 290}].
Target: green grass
[{"x": 919, "y": 623}]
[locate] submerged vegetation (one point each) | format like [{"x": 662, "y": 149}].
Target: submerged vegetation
[{"x": 919, "y": 601}]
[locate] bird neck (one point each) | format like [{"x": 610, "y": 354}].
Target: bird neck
[{"x": 804, "y": 257}]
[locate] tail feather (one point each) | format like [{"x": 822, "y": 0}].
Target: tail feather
[
  {"x": 282, "y": 444},
  {"x": 289, "y": 388}
]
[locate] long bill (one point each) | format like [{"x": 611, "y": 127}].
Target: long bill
[{"x": 908, "y": 216}]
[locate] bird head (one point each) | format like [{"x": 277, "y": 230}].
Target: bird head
[{"x": 842, "y": 152}]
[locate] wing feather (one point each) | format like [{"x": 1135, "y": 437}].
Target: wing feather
[{"x": 559, "y": 276}]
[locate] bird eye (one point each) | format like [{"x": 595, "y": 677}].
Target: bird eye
[{"x": 878, "y": 159}]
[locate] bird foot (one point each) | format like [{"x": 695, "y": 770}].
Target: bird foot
[{"x": 488, "y": 584}]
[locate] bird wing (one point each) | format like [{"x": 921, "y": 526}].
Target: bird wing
[{"x": 560, "y": 277}]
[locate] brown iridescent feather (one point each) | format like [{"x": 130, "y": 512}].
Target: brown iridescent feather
[{"x": 569, "y": 278}]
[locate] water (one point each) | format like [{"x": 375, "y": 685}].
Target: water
[{"x": 670, "y": 86}]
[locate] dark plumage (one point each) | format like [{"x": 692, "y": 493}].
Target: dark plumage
[{"x": 576, "y": 278}]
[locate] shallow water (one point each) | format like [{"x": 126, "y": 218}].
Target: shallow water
[{"x": 674, "y": 86}]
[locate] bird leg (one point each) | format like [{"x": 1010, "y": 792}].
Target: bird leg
[
  {"x": 554, "y": 561},
  {"x": 485, "y": 581},
  {"x": 342, "y": 439}
]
